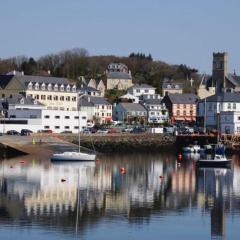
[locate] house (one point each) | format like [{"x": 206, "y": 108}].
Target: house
[
  {"x": 54, "y": 93},
  {"x": 157, "y": 111},
  {"x": 98, "y": 109},
  {"x": 130, "y": 112},
  {"x": 210, "y": 108},
  {"x": 230, "y": 122},
  {"x": 25, "y": 112},
  {"x": 89, "y": 91},
  {"x": 94, "y": 84},
  {"x": 118, "y": 76},
  {"x": 171, "y": 87},
  {"x": 139, "y": 89},
  {"x": 181, "y": 107},
  {"x": 129, "y": 98}
]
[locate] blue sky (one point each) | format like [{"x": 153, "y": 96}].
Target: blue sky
[{"x": 175, "y": 31}]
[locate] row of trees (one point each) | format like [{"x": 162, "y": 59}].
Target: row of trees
[{"x": 77, "y": 62}]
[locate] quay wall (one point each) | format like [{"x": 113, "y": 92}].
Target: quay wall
[{"x": 109, "y": 143}]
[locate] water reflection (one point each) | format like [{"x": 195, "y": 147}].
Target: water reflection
[{"x": 70, "y": 197}]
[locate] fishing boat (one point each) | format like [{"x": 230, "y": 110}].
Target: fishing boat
[
  {"x": 76, "y": 155},
  {"x": 219, "y": 160}
]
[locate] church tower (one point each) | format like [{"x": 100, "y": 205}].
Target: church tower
[{"x": 219, "y": 70}]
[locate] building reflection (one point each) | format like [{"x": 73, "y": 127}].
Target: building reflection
[{"x": 55, "y": 194}]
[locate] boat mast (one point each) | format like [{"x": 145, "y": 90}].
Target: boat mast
[{"x": 79, "y": 123}]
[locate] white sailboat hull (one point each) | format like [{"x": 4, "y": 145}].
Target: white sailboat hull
[{"x": 73, "y": 156}]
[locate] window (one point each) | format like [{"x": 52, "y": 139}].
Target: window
[
  {"x": 146, "y": 91},
  {"x": 238, "y": 129},
  {"x": 178, "y": 105},
  {"x": 57, "y": 117},
  {"x": 36, "y": 86},
  {"x": 37, "y": 96},
  {"x": 49, "y": 87},
  {"x": 234, "y": 106},
  {"x": 43, "y": 97},
  {"x": 238, "y": 118},
  {"x": 229, "y": 106},
  {"x": 66, "y": 127},
  {"x": 76, "y": 127},
  {"x": 68, "y": 88},
  {"x": 84, "y": 118},
  {"x": 184, "y": 105},
  {"x": 184, "y": 113},
  {"x": 33, "y": 116},
  {"x": 76, "y": 117},
  {"x": 102, "y": 114},
  {"x": 74, "y": 88},
  {"x": 67, "y": 117},
  {"x": 191, "y": 112},
  {"x": 61, "y": 88},
  {"x": 55, "y": 98},
  {"x": 46, "y": 127},
  {"x": 43, "y": 87},
  {"x": 46, "y": 116},
  {"x": 61, "y": 98},
  {"x": 49, "y": 97},
  {"x": 74, "y": 99},
  {"x": 68, "y": 98},
  {"x": 55, "y": 87},
  {"x": 178, "y": 113},
  {"x": 102, "y": 106},
  {"x": 191, "y": 106},
  {"x": 57, "y": 127},
  {"x": 138, "y": 90}
]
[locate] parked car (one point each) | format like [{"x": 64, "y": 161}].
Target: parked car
[
  {"x": 45, "y": 131},
  {"x": 138, "y": 130},
  {"x": 87, "y": 131},
  {"x": 12, "y": 132},
  {"x": 103, "y": 130},
  {"x": 128, "y": 129},
  {"x": 112, "y": 130},
  {"x": 26, "y": 132}
]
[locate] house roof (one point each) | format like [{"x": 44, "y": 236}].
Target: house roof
[
  {"x": 234, "y": 79},
  {"x": 118, "y": 75},
  {"x": 88, "y": 89},
  {"x": 25, "y": 79},
  {"x": 91, "y": 101},
  {"x": 133, "y": 107},
  {"x": 20, "y": 99},
  {"x": 185, "y": 98},
  {"x": 224, "y": 97},
  {"x": 152, "y": 101},
  {"x": 142, "y": 86}
]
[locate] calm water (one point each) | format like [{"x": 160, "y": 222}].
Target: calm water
[{"x": 156, "y": 198}]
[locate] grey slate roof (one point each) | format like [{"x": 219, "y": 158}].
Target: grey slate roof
[
  {"x": 185, "y": 98},
  {"x": 152, "y": 101},
  {"x": 118, "y": 75},
  {"x": 234, "y": 79},
  {"x": 136, "y": 107},
  {"x": 4, "y": 80},
  {"x": 16, "y": 99},
  {"x": 224, "y": 97},
  {"x": 88, "y": 89},
  {"x": 91, "y": 101}
]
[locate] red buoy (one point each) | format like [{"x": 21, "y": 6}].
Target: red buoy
[
  {"x": 179, "y": 156},
  {"x": 22, "y": 161},
  {"x": 161, "y": 177},
  {"x": 122, "y": 170}
]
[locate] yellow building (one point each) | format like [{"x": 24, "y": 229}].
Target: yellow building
[{"x": 54, "y": 93}]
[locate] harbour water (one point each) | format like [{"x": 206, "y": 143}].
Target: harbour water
[{"x": 131, "y": 196}]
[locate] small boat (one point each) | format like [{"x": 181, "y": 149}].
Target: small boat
[
  {"x": 73, "y": 156},
  {"x": 217, "y": 161}
]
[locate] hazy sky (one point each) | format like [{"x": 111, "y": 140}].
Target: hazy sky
[{"x": 175, "y": 31}]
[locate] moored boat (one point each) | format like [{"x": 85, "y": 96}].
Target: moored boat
[
  {"x": 217, "y": 161},
  {"x": 73, "y": 156}
]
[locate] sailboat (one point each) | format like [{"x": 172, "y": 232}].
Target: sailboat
[{"x": 76, "y": 155}]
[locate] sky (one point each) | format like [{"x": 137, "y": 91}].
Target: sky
[{"x": 173, "y": 31}]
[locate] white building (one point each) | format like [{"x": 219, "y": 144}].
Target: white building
[
  {"x": 157, "y": 111},
  {"x": 27, "y": 113},
  {"x": 230, "y": 122},
  {"x": 224, "y": 104},
  {"x": 139, "y": 89},
  {"x": 98, "y": 109}
]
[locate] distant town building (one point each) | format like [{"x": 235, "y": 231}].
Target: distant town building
[
  {"x": 54, "y": 93},
  {"x": 98, "y": 109},
  {"x": 226, "y": 104},
  {"x": 129, "y": 98},
  {"x": 220, "y": 80},
  {"x": 94, "y": 84},
  {"x": 118, "y": 76},
  {"x": 157, "y": 111},
  {"x": 138, "y": 90},
  {"x": 169, "y": 86},
  {"x": 181, "y": 107},
  {"x": 25, "y": 112},
  {"x": 89, "y": 91},
  {"x": 130, "y": 113}
]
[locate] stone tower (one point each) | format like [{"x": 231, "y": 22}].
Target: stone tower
[{"x": 219, "y": 71}]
